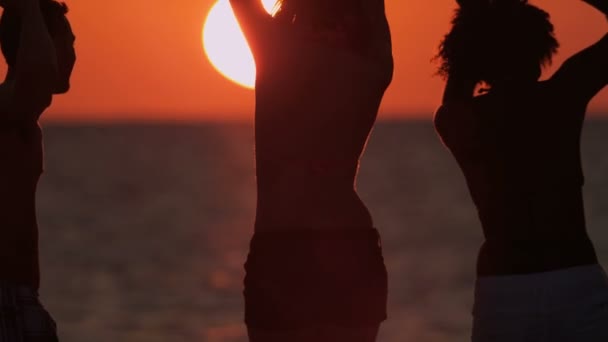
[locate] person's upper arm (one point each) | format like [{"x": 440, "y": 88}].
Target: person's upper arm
[
  {"x": 17, "y": 108},
  {"x": 459, "y": 89},
  {"x": 253, "y": 20},
  {"x": 381, "y": 46},
  {"x": 30, "y": 81},
  {"x": 454, "y": 120},
  {"x": 586, "y": 73}
]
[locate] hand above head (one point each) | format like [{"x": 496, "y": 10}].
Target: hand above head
[
  {"x": 32, "y": 61},
  {"x": 19, "y": 5},
  {"x": 63, "y": 39},
  {"x": 485, "y": 3},
  {"x": 472, "y": 3}
]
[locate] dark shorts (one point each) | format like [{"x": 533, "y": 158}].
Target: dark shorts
[
  {"x": 303, "y": 279},
  {"x": 568, "y": 305},
  {"x": 23, "y": 318}
]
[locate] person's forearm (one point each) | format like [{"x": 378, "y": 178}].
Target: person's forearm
[
  {"x": 36, "y": 65},
  {"x": 252, "y": 6},
  {"x": 600, "y": 5},
  {"x": 459, "y": 90}
]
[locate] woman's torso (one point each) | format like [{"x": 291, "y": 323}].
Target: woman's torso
[
  {"x": 315, "y": 108},
  {"x": 520, "y": 154}
]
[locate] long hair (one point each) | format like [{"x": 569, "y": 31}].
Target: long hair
[
  {"x": 10, "y": 27},
  {"x": 487, "y": 37}
]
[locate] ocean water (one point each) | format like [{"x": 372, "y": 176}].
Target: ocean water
[{"x": 144, "y": 229}]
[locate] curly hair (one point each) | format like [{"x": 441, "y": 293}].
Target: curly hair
[
  {"x": 489, "y": 36},
  {"x": 10, "y": 27}
]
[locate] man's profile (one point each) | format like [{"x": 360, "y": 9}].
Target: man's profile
[{"x": 37, "y": 43}]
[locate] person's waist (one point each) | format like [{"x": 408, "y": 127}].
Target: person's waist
[
  {"x": 525, "y": 217},
  {"x": 11, "y": 293},
  {"x": 533, "y": 254},
  {"x": 17, "y": 209},
  {"x": 308, "y": 195},
  {"x": 306, "y": 187},
  {"x": 313, "y": 164},
  {"x": 545, "y": 240},
  {"x": 290, "y": 213},
  {"x": 304, "y": 243},
  {"x": 20, "y": 170},
  {"x": 20, "y": 125},
  {"x": 524, "y": 232}
]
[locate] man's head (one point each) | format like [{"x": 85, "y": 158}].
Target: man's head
[{"x": 59, "y": 28}]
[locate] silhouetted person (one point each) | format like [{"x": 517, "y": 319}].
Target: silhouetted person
[
  {"x": 315, "y": 270},
  {"x": 518, "y": 145},
  {"x": 37, "y": 44}
]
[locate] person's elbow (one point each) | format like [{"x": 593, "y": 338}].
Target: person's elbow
[
  {"x": 43, "y": 81},
  {"x": 36, "y": 96},
  {"x": 34, "y": 105},
  {"x": 42, "y": 95}
]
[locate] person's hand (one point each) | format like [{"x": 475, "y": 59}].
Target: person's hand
[
  {"x": 473, "y": 3},
  {"x": 63, "y": 39},
  {"x": 485, "y": 3},
  {"x": 19, "y": 5}
]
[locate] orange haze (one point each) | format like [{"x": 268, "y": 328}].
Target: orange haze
[{"x": 143, "y": 59}]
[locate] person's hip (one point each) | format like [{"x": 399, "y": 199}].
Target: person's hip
[
  {"x": 305, "y": 278},
  {"x": 23, "y": 318}
]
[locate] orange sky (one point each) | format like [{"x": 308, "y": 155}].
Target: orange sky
[{"x": 143, "y": 59}]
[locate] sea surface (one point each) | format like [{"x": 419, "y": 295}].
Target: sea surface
[{"x": 144, "y": 229}]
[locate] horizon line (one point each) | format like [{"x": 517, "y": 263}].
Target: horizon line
[{"x": 227, "y": 121}]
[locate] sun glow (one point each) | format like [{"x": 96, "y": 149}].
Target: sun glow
[{"x": 225, "y": 44}]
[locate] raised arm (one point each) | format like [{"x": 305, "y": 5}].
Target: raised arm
[
  {"x": 454, "y": 119},
  {"x": 28, "y": 91},
  {"x": 381, "y": 35},
  {"x": 459, "y": 90},
  {"x": 586, "y": 73},
  {"x": 253, "y": 20}
]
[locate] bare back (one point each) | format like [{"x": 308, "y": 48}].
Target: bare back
[
  {"x": 519, "y": 151},
  {"x": 316, "y": 103}
]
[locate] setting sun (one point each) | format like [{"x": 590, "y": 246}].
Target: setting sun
[
  {"x": 146, "y": 61},
  {"x": 225, "y": 44}
]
